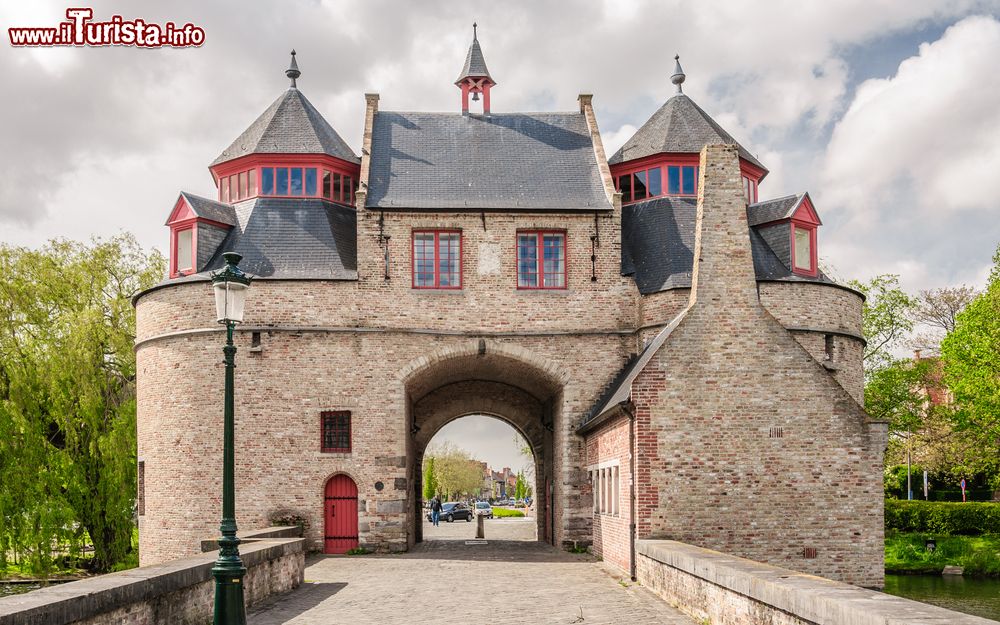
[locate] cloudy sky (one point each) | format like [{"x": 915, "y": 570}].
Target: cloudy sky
[{"x": 887, "y": 112}]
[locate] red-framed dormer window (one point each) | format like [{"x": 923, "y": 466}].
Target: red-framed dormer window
[
  {"x": 437, "y": 259},
  {"x": 182, "y": 245},
  {"x": 657, "y": 181},
  {"x": 335, "y": 431},
  {"x": 541, "y": 259},
  {"x": 804, "y": 259},
  {"x": 750, "y": 189}
]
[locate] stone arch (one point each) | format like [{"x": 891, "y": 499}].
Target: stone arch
[{"x": 497, "y": 379}]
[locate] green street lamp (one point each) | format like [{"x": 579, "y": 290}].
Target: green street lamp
[{"x": 230, "y": 285}]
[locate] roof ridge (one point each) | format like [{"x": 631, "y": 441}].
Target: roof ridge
[{"x": 492, "y": 114}]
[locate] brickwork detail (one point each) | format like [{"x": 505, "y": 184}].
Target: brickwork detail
[{"x": 705, "y": 406}]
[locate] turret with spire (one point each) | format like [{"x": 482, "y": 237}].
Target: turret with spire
[{"x": 475, "y": 77}]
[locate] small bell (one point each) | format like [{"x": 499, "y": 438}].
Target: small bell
[{"x": 475, "y": 97}]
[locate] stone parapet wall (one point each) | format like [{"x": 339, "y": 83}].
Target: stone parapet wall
[
  {"x": 725, "y": 590},
  {"x": 179, "y": 592}
]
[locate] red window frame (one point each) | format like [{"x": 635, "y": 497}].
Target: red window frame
[
  {"x": 540, "y": 260},
  {"x": 813, "y": 269},
  {"x": 664, "y": 168},
  {"x": 437, "y": 261},
  {"x": 331, "y": 415},
  {"x": 175, "y": 271}
]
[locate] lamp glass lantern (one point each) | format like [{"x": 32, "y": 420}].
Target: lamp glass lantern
[{"x": 231, "y": 286}]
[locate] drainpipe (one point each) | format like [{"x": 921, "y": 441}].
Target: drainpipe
[{"x": 633, "y": 456}]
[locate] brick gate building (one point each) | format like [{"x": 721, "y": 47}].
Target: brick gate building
[{"x": 662, "y": 338}]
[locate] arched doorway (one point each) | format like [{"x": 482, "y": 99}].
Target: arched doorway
[
  {"x": 340, "y": 515},
  {"x": 497, "y": 380}
]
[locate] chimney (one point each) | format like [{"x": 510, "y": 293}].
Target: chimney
[{"x": 723, "y": 275}]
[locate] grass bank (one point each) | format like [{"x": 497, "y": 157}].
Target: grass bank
[
  {"x": 502, "y": 512},
  {"x": 978, "y": 555}
]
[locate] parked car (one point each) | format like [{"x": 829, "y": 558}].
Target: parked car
[
  {"x": 452, "y": 510},
  {"x": 519, "y": 503},
  {"x": 483, "y": 508}
]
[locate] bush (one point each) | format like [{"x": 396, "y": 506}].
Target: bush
[
  {"x": 938, "y": 517},
  {"x": 502, "y": 512}
]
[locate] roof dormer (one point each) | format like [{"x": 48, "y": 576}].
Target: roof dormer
[
  {"x": 789, "y": 226},
  {"x": 197, "y": 228}
]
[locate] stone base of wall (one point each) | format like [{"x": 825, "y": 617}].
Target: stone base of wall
[
  {"x": 180, "y": 592},
  {"x": 720, "y": 589}
]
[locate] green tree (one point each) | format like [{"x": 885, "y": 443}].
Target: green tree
[
  {"x": 520, "y": 486},
  {"x": 886, "y": 319},
  {"x": 67, "y": 397},
  {"x": 971, "y": 355},
  {"x": 430, "y": 479},
  {"x": 457, "y": 473}
]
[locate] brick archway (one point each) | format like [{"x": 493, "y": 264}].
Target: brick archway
[{"x": 502, "y": 381}]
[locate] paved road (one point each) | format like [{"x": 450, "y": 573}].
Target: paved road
[
  {"x": 451, "y": 581},
  {"x": 496, "y": 529}
]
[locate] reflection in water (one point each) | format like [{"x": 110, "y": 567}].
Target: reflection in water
[
  {"x": 16, "y": 589},
  {"x": 979, "y": 596}
]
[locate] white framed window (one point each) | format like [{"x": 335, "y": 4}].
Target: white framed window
[{"x": 606, "y": 483}]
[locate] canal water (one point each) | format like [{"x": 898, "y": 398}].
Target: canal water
[
  {"x": 16, "y": 589},
  {"x": 972, "y": 595}
]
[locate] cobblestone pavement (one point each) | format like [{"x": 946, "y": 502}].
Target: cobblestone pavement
[
  {"x": 496, "y": 529},
  {"x": 449, "y": 581}
]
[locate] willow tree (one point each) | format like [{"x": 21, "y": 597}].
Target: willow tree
[{"x": 67, "y": 397}]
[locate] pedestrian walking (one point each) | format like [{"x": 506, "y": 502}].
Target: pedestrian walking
[{"x": 435, "y": 510}]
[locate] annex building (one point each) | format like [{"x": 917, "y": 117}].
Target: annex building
[{"x": 657, "y": 329}]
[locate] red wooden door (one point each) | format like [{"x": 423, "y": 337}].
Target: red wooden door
[{"x": 341, "y": 515}]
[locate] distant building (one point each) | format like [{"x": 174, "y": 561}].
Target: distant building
[{"x": 662, "y": 336}]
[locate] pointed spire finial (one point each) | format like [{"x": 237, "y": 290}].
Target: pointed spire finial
[
  {"x": 293, "y": 70},
  {"x": 475, "y": 35},
  {"x": 678, "y": 76}
]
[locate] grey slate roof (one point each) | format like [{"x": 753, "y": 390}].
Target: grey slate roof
[
  {"x": 679, "y": 126},
  {"x": 469, "y": 162},
  {"x": 291, "y": 125},
  {"x": 773, "y": 210},
  {"x": 658, "y": 247},
  {"x": 475, "y": 63},
  {"x": 210, "y": 209},
  {"x": 293, "y": 239}
]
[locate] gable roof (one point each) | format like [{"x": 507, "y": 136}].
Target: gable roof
[
  {"x": 679, "y": 125},
  {"x": 204, "y": 208},
  {"x": 475, "y": 63},
  {"x": 781, "y": 208},
  {"x": 291, "y": 125},
  {"x": 658, "y": 243},
  {"x": 508, "y": 161}
]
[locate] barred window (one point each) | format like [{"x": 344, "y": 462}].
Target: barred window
[{"x": 336, "y": 431}]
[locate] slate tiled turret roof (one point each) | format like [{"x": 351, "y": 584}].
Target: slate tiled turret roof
[
  {"x": 303, "y": 238},
  {"x": 679, "y": 126},
  {"x": 658, "y": 244},
  {"x": 291, "y": 125},
  {"x": 502, "y": 161},
  {"x": 475, "y": 62}
]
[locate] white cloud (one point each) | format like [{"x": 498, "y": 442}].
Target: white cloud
[
  {"x": 935, "y": 125},
  {"x": 910, "y": 173}
]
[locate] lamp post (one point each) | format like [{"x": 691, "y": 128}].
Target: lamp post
[{"x": 230, "y": 285}]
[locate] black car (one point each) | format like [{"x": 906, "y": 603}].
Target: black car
[{"x": 452, "y": 511}]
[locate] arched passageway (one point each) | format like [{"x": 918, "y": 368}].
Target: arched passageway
[{"x": 508, "y": 386}]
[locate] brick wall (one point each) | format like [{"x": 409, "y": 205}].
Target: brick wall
[
  {"x": 745, "y": 443},
  {"x": 608, "y": 446}
]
